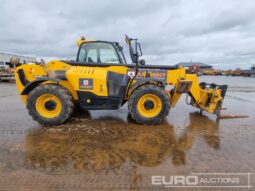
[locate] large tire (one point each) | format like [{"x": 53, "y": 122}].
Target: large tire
[
  {"x": 149, "y": 105},
  {"x": 50, "y": 104}
]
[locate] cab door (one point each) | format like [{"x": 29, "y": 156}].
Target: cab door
[{"x": 100, "y": 79}]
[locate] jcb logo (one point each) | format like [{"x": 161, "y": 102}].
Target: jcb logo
[{"x": 85, "y": 82}]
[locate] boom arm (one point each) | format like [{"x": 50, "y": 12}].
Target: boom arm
[{"x": 207, "y": 97}]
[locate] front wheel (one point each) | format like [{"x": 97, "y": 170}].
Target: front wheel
[
  {"x": 50, "y": 104},
  {"x": 149, "y": 105}
]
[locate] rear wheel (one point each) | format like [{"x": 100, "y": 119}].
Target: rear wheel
[
  {"x": 50, "y": 104},
  {"x": 149, "y": 105}
]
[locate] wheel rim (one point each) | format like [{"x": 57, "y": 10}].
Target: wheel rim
[
  {"x": 149, "y": 105},
  {"x": 48, "y": 106}
]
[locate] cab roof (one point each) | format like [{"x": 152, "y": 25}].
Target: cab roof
[{"x": 83, "y": 40}]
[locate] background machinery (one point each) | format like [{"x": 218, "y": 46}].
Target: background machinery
[{"x": 100, "y": 78}]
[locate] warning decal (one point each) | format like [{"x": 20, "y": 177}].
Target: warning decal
[
  {"x": 148, "y": 73},
  {"x": 85, "y": 84}
]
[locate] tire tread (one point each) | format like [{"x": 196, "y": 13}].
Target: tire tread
[
  {"x": 56, "y": 90},
  {"x": 133, "y": 101}
]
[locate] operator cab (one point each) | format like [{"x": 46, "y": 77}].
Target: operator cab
[
  {"x": 101, "y": 52},
  {"x": 104, "y": 52}
]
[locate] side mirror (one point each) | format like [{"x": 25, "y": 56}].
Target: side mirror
[
  {"x": 120, "y": 48},
  {"x": 128, "y": 41},
  {"x": 140, "y": 49},
  {"x": 142, "y": 62},
  {"x": 132, "y": 55},
  {"x": 15, "y": 60}
]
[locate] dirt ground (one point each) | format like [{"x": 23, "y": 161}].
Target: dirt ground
[{"x": 106, "y": 150}]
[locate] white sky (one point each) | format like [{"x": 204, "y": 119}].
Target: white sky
[{"x": 216, "y": 32}]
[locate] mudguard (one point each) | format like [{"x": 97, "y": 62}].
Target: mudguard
[
  {"x": 140, "y": 82},
  {"x": 29, "y": 87}
]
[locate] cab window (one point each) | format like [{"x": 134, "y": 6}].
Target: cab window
[
  {"x": 98, "y": 52},
  {"x": 92, "y": 55},
  {"x": 108, "y": 56}
]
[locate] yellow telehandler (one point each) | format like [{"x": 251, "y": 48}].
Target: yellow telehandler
[{"x": 100, "y": 78}]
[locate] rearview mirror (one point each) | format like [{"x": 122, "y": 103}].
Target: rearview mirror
[
  {"x": 132, "y": 55},
  {"x": 140, "y": 49},
  {"x": 128, "y": 41},
  {"x": 142, "y": 62}
]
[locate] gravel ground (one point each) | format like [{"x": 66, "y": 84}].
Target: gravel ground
[{"x": 104, "y": 150}]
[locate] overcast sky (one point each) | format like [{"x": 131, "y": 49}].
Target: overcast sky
[{"x": 217, "y": 32}]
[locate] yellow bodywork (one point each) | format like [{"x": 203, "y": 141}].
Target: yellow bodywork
[
  {"x": 201, "y": 95},
  {"x": 98, "y": 74},
  {"x": 30, "y": 71},
  {"x": 176, "y": 78},
  {"x": 33, "y": 71},
  {"x": 80, "y": 41}
]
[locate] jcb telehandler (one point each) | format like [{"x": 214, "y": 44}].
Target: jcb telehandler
[{"x": 100, "y": 78}]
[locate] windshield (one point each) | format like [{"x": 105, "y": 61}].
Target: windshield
[{"x": 98, "y": 52}]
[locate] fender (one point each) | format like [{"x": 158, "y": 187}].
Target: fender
[
  {"x": 140, "y": 82},
  {"x": 29, "y": 87}
]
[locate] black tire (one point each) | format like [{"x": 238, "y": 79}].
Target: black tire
[
  {"x": 67, "y": 105},
  {"x": 149, "y": 89}
]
